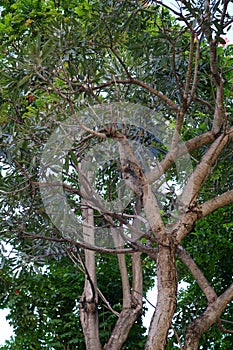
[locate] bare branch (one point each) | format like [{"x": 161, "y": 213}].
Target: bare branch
[
  {"x": 178, "y": 83},
  {"x": 157, "y": 93},
  {"x": 201, "y": 171},
  {"x": 138, "y": 82},
  {"x": 207, "y": 319},
  {"x": 24, "y": 234},
  {"x": 195, "y": 74},
  {"x": 204, "y": 103},
  {"x": 220, "y": 326},
  {"x": 175, "y": 153},
  {"x": 107, "y": 303},
  {"x": 114, "y": 51},
  {"x": 197, "y": 274},
  {"x": 189, "y": 69},
  {"x": 177, "y": 338},
  {"x": 215, "y": 203}
]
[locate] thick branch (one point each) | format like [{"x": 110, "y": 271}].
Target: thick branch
[
  {"x": 132, "y": 302},
  {"x": 207, "y": 319},
  {"x": 219, "y": 113},
  {"x": 166, "y": 300},
  {"x": 89, "y": 300},
  {"x": 201, "y": 171},
  {"x": 177, "y": 152},
  {"x": 197, "y": 274},
  {"x": 215, "y": 203}
]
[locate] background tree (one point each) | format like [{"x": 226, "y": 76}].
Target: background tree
[{"x": 57, "y": 59}]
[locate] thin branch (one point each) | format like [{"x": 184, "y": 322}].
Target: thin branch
[
  {"x": 204, "y": 103},
  {"x": 4, "y": 193},
  {"x": 54, "y": 88},
  {"x": 195, "y": 74},
  {"x": 28, "y": 177},
  {"x": 177, "y": 338},
  {"x": 224, "y": 11},
  {"x": 187, "y": 85},
  {"x": 200, "y": 173},
  {"x": 78, "y": 244},
  {"x": 176, "y": 13},
  {"x": 228, "y": 23},
  {"x": 82, "y": 126},
  {"x": 175, "y": 67},
  {"x": 157, "y": 93},
  {"x": 223, "y": 329},
  {"x": 83, "y": 269},
  {"x": 226, "y": 321},
  {"x": 189, "y": 69},
  {"x": 121, "y": 62},
  {"x": 107, "y": 303}
]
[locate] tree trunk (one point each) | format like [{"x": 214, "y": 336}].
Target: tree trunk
[
  {"x": 132, "y": 306},
  {"x": 88, "y": 305},
  {"x": 132, "y": 300},
  {"x": 89, "y": 299},
  {"x": 166, "y": 300}
]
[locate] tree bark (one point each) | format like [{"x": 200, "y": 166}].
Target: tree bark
[
  {"x": 132, "y": 301},
  {"x": 166, "y": 300},
  {"x": 207, "y": 319},
  {"x": 89, "y": 299}
]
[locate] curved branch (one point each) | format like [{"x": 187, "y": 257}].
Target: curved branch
[
  {"x": 138, "y": 82},
  {"x": 201, "y": 171},
  {"x": 215, "y": 203},
  {"x": 197, "y": 274},
  {"x": 176, "y": 152},
  {"x": 223, "y": 329},
  {"x": 207, "y": 319},
  {"x": 157, "y": 93},
  {"x": 79, "y": 244}
]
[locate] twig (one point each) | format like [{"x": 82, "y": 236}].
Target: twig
[
  {"x": 223, "y": 329},
  {"x": 177, "y": 338}
]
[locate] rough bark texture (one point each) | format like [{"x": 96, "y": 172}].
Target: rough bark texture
[
  {"x": 132, "y": 306},
  {"x": 89, "y": 299},
  {"x": 166, "y": 301},
  {"x": 132, "y": 300},
  {"x": 207, "y": 319}
]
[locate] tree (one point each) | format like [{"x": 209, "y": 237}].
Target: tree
[
  {"x": 43, "y": 304},
  {"x": 64, "y": 65}
]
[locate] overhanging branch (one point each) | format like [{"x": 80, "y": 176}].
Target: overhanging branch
[{"x": 215, "y": 203}]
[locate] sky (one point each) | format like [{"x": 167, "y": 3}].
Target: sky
[{"x": 6, "y": 331}]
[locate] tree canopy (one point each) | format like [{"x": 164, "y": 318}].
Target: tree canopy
[{"x": 116, "y": 166}]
